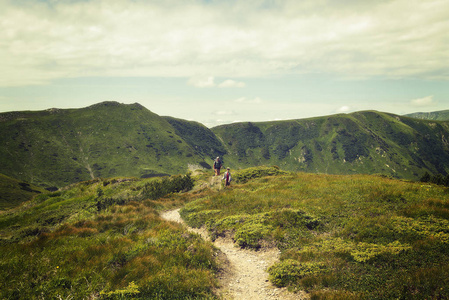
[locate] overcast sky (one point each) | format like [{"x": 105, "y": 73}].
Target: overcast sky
[{"x": 222, "y": 61}]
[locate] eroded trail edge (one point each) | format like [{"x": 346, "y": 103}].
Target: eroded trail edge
[{"x": 245, "y": 275}]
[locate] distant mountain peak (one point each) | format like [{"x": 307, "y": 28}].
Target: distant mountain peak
[{"x": 442, "y": 115}]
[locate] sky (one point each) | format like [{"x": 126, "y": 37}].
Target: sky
[{"x": 224, "y": 61}]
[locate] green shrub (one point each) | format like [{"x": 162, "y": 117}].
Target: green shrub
[
  {"x": 243, "y": 176},
  {"x": 290, "y": 271},
  {"x": 249, "y": 235},
  {"x": 130, "y": 292},
  {"x": 159, "y": 188}
]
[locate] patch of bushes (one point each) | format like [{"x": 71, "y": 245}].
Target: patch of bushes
[
  {"x": 290, "y": 271},
  {"x": 159, "y": 188},
  {"x": 242, "y": 176},
  {"x": 438, "y": 179},
  {"x": 128, "y": 252},
  {"x": 341, "y": 237},
  {"x": 249, "y": 235}
]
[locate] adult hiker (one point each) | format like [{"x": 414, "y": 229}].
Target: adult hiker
[
  {"x": 227, "y": 177},
  {"x": 217, "y": 165}
]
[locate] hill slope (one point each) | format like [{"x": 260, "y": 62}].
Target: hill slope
[
  {"x": 339, "y": 237},
  {"x": 54, "y": 148},
  {"x": 442, "y": 115},
  {"x": 362, "y": 142},
  {"x": 59, "y": 147},
  {"x": 13, "y": 192}
]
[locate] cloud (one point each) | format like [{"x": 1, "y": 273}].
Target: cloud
[
  {"x": 225, "y": 113},
  {"x": 425, "y": 101},
  {"x": 255, "y": 100},
  {"x": 209, "y": 81},
  {"x": 47, "y": 40},
  {"x": 231, "y": 83},
  {"x": 202, "y": 82},
  {"x": 343, "y": 109}
]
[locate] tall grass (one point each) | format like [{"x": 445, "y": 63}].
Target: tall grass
[{"x": 116, "y": 252}]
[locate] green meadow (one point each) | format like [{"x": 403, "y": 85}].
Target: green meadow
[{"x": 340, "y": 236}]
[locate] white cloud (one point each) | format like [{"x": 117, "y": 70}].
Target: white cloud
[
  {"x": 343, "y": 109},
  {"x": 231, "y": 83},
  {"x": 209, "y": 81},
  {"x": 202, "y": 82},
  {"x": 255, "y": 100},
  {"x": 42, "y": 41},
  {"x": 225, "y": 113},
  {"x": 425, "y": 101}
]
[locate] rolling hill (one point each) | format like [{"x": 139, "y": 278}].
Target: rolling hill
[
  {"x": 13, "y": 192},
  {"x": 57, "y": 147},
  {"x": 367, "y": 142},
  {"x": 442, "y": 115},
  {"x": 339, "y": 237}
]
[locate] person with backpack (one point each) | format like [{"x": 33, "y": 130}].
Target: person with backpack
[
  {"x": 227, "y": 177},
  {"x": 217, "y": 166}
]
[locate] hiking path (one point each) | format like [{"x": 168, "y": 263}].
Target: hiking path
[{"x": 244, "y": 274}]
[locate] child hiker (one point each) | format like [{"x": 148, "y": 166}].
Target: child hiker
[{"x": 227, "y": 177}]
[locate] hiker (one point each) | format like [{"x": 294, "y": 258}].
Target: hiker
[
  {"x": 217, "y": 166},
  {"x": 227, "y": 177}
]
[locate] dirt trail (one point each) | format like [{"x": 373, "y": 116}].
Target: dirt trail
[{"x": 244, "y": 275}]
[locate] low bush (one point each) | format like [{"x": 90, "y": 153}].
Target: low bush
[
  {"x": 244, "y": 175},
  {"x": 290, "y": 271}
]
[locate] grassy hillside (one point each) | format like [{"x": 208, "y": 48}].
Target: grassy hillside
[
  {"x": 199, "y": 137},
  {"x": 104, "y": 239},
  {"x": 54, "y": 148},
  {"x": 59, "y": 147},
  {"x": 363, "y": 142},
  {"x": 442, "y": 115},
  {"x": 14, "y": 192},
  {"x": 341, "y": 237}
]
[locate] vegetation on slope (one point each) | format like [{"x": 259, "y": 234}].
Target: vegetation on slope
[
  {"x": 358, "y": 143},
  {"x": 442, "y": 115},
  {"x": 54, "y": 148},
  {"x": 104, "y": 239},
  {"x": 14, "y": 192},
  {"x": 198, "y": 137},
  {"x": 342, "y": 237},
  {"x": 59, "y": 147}
]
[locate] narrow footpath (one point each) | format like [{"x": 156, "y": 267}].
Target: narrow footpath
[{"x": 244, "y": 276}]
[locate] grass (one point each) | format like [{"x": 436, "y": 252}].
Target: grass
[
  {"x": 342, "y": 237},
  {"x": 74, "y": 244},
  {"x": 53, "y": 149},
  {"x": 14, "y": 192}
]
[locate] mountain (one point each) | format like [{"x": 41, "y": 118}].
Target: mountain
[
  {"x": 363, "y": 142},
  {"x": 198, "y": 136},
  {"x": 442, "y": 115},
  {"x": 57, "y": 147}
]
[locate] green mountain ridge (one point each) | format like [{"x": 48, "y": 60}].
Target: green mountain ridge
[
  {"x": 57, "y": 147},
  {"x": 442, "y": 115},
  {"x": 367, "y": 142}
]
